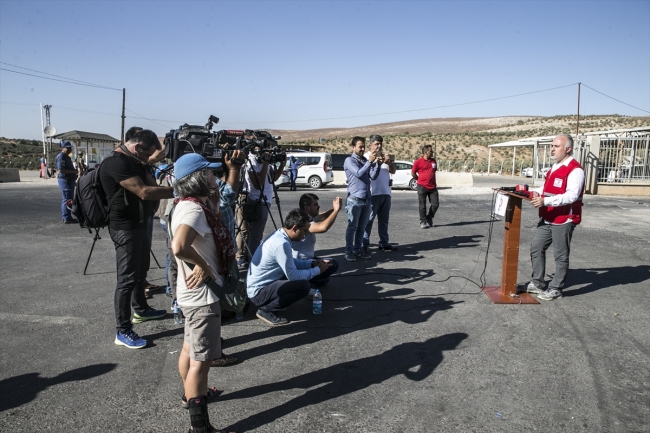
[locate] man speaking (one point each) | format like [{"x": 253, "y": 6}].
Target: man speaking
[{"x": 560, "y": 210}]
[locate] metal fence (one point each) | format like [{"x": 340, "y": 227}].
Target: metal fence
[{"x": 624, "y": 160}]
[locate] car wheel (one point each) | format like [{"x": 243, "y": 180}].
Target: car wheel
[
  {"x": 413, "y": 184},
  {"x": 315, "y": 182}
]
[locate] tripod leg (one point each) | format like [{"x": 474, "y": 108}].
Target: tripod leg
[
  {"x": 95, "y": 239},
  {"x": 155, "y": 259}
]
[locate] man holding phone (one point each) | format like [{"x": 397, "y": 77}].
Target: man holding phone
[
  {"x": 321, "y": 222},
  {"x": 380, "y": 196}
]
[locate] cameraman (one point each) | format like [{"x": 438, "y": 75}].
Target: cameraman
[
  {"x": 228, "y": 182},
  {"x": 277, "y": 280},
  {"x": 259, "y": 182}
]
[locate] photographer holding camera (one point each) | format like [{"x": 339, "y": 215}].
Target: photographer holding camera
[{"x": 260, "y": 176}]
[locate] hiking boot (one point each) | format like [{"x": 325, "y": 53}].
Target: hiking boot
[
  {"x": 148, "y": 314},
  {"x": 424, "y": 225},
  {"x": 350, "y": 256},
  {"x": 271, "y": 318},
  {"x": 550, "y": 294},
  {"x": 533, "y": 288},
  {"x": 388, "y": 247},
  {"x": 129, "y": 339}
]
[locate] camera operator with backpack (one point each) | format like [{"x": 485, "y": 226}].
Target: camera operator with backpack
[{"x": 132, "y": 192}]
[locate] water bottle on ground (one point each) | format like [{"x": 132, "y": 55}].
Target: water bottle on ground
[
  {"x": 178, "y": 316},
  {"x": 318, "y": 302}
]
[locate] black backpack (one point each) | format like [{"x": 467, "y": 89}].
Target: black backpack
[{"x": 89, "y": 204}]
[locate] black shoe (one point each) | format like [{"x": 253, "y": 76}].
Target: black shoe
[
  {"x": 388, "y": 247},
  {"x": 271, "y": 318},
  {"x": 71, "y": 221},
  {"x": 430, "y": 222}
]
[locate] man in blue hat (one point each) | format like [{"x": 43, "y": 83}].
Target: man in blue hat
[{"x": 67, "y": 178}]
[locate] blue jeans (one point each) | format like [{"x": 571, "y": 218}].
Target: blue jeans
[
  {"x": 67, "y": 191},
  {"x": 358, "y": 213},
  {"x": 293, "y": 175},
  {"x": 381, "y": 210}
]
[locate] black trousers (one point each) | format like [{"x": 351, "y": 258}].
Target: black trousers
[
  {"x": 432, "y": 194},
  {"x": 280, "y": 294},
  {"x": 132, "y": 259}
]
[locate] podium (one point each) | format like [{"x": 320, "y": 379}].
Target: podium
[{"x": 506, "y": 293}]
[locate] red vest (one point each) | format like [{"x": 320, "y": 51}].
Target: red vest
[{"x": 555, "y": 184}]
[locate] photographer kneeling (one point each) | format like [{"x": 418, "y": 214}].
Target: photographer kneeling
[
  {"x": 202, "y": 246},
  {"x": 277, "y": 280}
]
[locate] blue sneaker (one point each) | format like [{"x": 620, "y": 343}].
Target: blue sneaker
[
  {"x": 129, "y": 339},
  {"x": 148, "y": 314}
]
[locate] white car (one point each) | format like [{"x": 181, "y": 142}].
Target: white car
[
  {"x": 315, "y": 172},
  {"x": 527, "y": 172},
  {"x": 402, "y": 177}
]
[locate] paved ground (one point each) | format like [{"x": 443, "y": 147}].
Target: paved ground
[{"x": 406, "y": 343}]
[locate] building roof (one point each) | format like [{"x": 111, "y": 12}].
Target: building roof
[
  {"x": 82, "y": 135},
  {"x": 642, "y": 130}
]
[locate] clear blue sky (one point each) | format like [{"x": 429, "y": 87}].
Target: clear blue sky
[{"x": 284, "y": 65}]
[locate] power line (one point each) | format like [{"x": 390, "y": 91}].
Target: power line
[
  {"x": 58, "y": 76},
  {"x": 150, "y": 120},
  {"x": 416, "y": 110},
  {"x": 624, "y": 103},
  {"x": 62, "y": 81}
]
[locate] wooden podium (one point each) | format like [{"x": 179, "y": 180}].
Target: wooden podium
[{"x": 507, "y": 292}]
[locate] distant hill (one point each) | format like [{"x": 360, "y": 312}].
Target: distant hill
[{"x": 459, "y": 141}]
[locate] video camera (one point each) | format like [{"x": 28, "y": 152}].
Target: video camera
[{"x": 213, "y": 145}]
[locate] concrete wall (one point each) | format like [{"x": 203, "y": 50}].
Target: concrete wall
[
  {"x": 442, "y": 178},
  {"x": 9, "y": 175},
  {"x": 642, "y": 190},
  {"x": 454, "y": 179}
]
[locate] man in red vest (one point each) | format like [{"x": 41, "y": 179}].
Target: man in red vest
[{"x": 560, "y": 210}]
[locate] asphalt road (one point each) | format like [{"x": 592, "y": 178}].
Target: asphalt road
[{"x": 407, "y": 342}]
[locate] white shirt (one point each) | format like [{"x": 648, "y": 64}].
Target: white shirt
[
  {"x": 191, "y": 214},
  {"x": 381, "y": 185},
  {"x": 574, "y": 185},
  {"x": 252, "y": 185}
]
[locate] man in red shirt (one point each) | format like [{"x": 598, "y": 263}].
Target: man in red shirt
[{"x": 424, "y": 170}]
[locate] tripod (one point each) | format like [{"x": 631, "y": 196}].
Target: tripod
[
  {"x": 261, "y": 201},
  {"x": 96, "y": 238}
]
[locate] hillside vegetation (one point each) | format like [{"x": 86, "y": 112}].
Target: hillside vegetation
[{"x": 461, "y": 143}]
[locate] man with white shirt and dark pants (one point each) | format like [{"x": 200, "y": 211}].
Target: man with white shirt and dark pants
[
  {"x": 260, "y": 176},
  {"x": 560, "y": 210},
  {"x": 380, "y": 196}
]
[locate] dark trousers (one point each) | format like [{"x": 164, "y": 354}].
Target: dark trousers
[
  {"x": 280, "y": 294},
  {"x": 132, "y": 258},
  {"x": 423, "y": 194},
  {"x": 324, "y": 278}
]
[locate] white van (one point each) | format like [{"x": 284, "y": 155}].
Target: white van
[{"x": 315, "y": 172}]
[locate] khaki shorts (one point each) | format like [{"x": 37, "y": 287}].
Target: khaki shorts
[{"x": 203, "y": 331}]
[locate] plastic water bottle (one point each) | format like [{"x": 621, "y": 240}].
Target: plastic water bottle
[
  {"x": 318, "y": 302},
  {"x": 178, "y": 316}
]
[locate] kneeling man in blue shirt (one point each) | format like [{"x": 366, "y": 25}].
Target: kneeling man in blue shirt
[{"x": 277, "y": 280}]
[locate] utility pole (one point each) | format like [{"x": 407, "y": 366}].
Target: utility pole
[
  {"x": 578, "y": 122},
  {"x": 49, "y": 167},
  {"x": 123, "y": 107}
]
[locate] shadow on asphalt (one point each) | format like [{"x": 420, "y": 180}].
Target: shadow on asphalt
[
  {"x": 416, "y": 361},
  {"x": 461, "y": 223},
  {"x": 603, "y": 278},
  {"x": 19, "y": 390}
]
